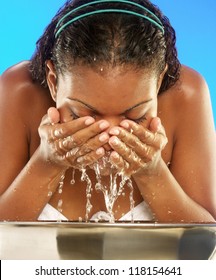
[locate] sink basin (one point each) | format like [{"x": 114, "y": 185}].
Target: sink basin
[{"x": 100, "y": 241}]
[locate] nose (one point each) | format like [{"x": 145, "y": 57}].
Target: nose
[{"x": 113, "y": 121}]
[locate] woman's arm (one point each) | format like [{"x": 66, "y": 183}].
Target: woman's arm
[
  {"x": 186, "y": 191},
  {"x": 29, "y": 174},
  {"x": 24, "y": 183},
  {"x": 194, "y": 154}
]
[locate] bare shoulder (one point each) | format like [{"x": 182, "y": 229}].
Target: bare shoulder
[
  {"x": 188, "y": 98},
  {"x": 16, "y": 83},
  {"x": 193, "y": 152},
  {"x": 23, "y": 104},
  {"x": 191, "y": 90},
  {"x": 20, "y": 95}
]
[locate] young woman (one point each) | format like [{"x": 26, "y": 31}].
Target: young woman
[{"x": 105, "y": 85}]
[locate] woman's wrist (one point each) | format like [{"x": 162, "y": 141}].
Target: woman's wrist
[
  {"x": 41, "y": 158},
  {"x": 149, "y": 175}
]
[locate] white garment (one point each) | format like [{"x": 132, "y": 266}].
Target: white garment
[{"x": 140, "y": 213}]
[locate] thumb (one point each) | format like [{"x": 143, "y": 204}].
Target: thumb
[
  {"x": 155, "y": 124},
  {"x": 53, "y": 115}
]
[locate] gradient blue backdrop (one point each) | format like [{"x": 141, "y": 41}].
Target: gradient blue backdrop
[{"x": 23, "y": 21}]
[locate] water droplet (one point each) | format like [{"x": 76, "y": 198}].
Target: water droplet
[
  {"x": 59, "y": 206},
  {"x": 61, "y": 184},
  {"x": 60, "y": 202},
  {"x": 73, "y": 177},
  {"x": 49, "y": 193}
]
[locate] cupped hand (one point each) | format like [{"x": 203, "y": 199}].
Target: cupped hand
[
  {"x": 136, "y": 148},
  {"x": 76, "y": 143}
]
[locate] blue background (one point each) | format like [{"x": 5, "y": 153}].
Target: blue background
[{"x": 23, "y": 21}]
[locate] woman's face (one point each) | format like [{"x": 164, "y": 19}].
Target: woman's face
[{"x": 111, "y": 94}]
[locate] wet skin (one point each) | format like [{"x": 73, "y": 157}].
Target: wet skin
[
  {"x": 122, "y": 118},
  {"x": 80, "y": 143},
  {"x": 93, "y": 110}
]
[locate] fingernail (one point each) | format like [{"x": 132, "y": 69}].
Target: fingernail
[
  {"x": 57, "y": 132},
  {"x": 103, "y": 137},
  {"x": 104, "y": 125},
  {"x": 124, "y": 124},
  {"x": 65, "y": 143},
  {"x": 159, "y": 123},
  {"x": 89, "y": 121},
  {"x": 114, "y": 141},
  {"x": 115, "y": 155},
  {"x": 114, "y": 131},
  {"x": 80, "y": 159},
  {"x": 100, "y": 151},
  {"x": 67, "y": 140}
]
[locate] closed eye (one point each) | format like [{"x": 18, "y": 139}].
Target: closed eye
[
  {"x": 74, "y": 116},
  {"x": 139, "y": 120}
]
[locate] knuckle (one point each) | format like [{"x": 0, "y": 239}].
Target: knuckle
[
  {"x": 88, "y": 159},
  {"x": 86, "y": 149},
  {"x": 72, "y": 152},
  {"x": 124, "y": 134},
  {"x": 77, "y": 141},
  {"x": 94, "y": 129},
  {"x": 62, "y": 145},
  {"x": 126, "y": 152},
  {"x": 148, "y": 153},
  {"x": 149, "y": 135}
]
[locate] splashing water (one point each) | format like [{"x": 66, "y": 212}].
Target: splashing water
[
  {"x": 85, "y": 177},
  {"x": 132, "y": 202},
  {"x": 114, "y": 190},
  {"x": 61, "y": 183},
  {"x": 111, "y": 191},
  {"x": 60, "y": 189}
]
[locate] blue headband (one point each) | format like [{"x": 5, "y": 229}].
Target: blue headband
[{"x": 156, "y": 21}]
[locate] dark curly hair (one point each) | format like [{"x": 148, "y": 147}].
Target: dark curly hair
[{"x": 113, "y": 39}]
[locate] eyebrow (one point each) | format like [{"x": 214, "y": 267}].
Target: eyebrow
[{"x": 96, "y": 111}]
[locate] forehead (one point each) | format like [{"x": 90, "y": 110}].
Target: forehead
[{"x": 116, "y": 85}]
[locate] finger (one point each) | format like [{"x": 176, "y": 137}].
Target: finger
[
  {"x": 144, "y": 151},
  {"x": 89, "y": 150},
  {"x": 155, "y": 124},
  {"x": 160, "y": 130},
  {"x": 91, "y": 157},
  {"x": 122, "y": 165},
  {"x": 83, "y": 136},
  {"x": 94, "y": 143},
  {"x": 130, "y": 155},
  {"x": 63, "y": 130},
  {"x": 156, "y": 139},
  {"x": 53, "y": 115},
  {"x": 45, "y": 120},
  {"x": 119, "y": 162}
]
